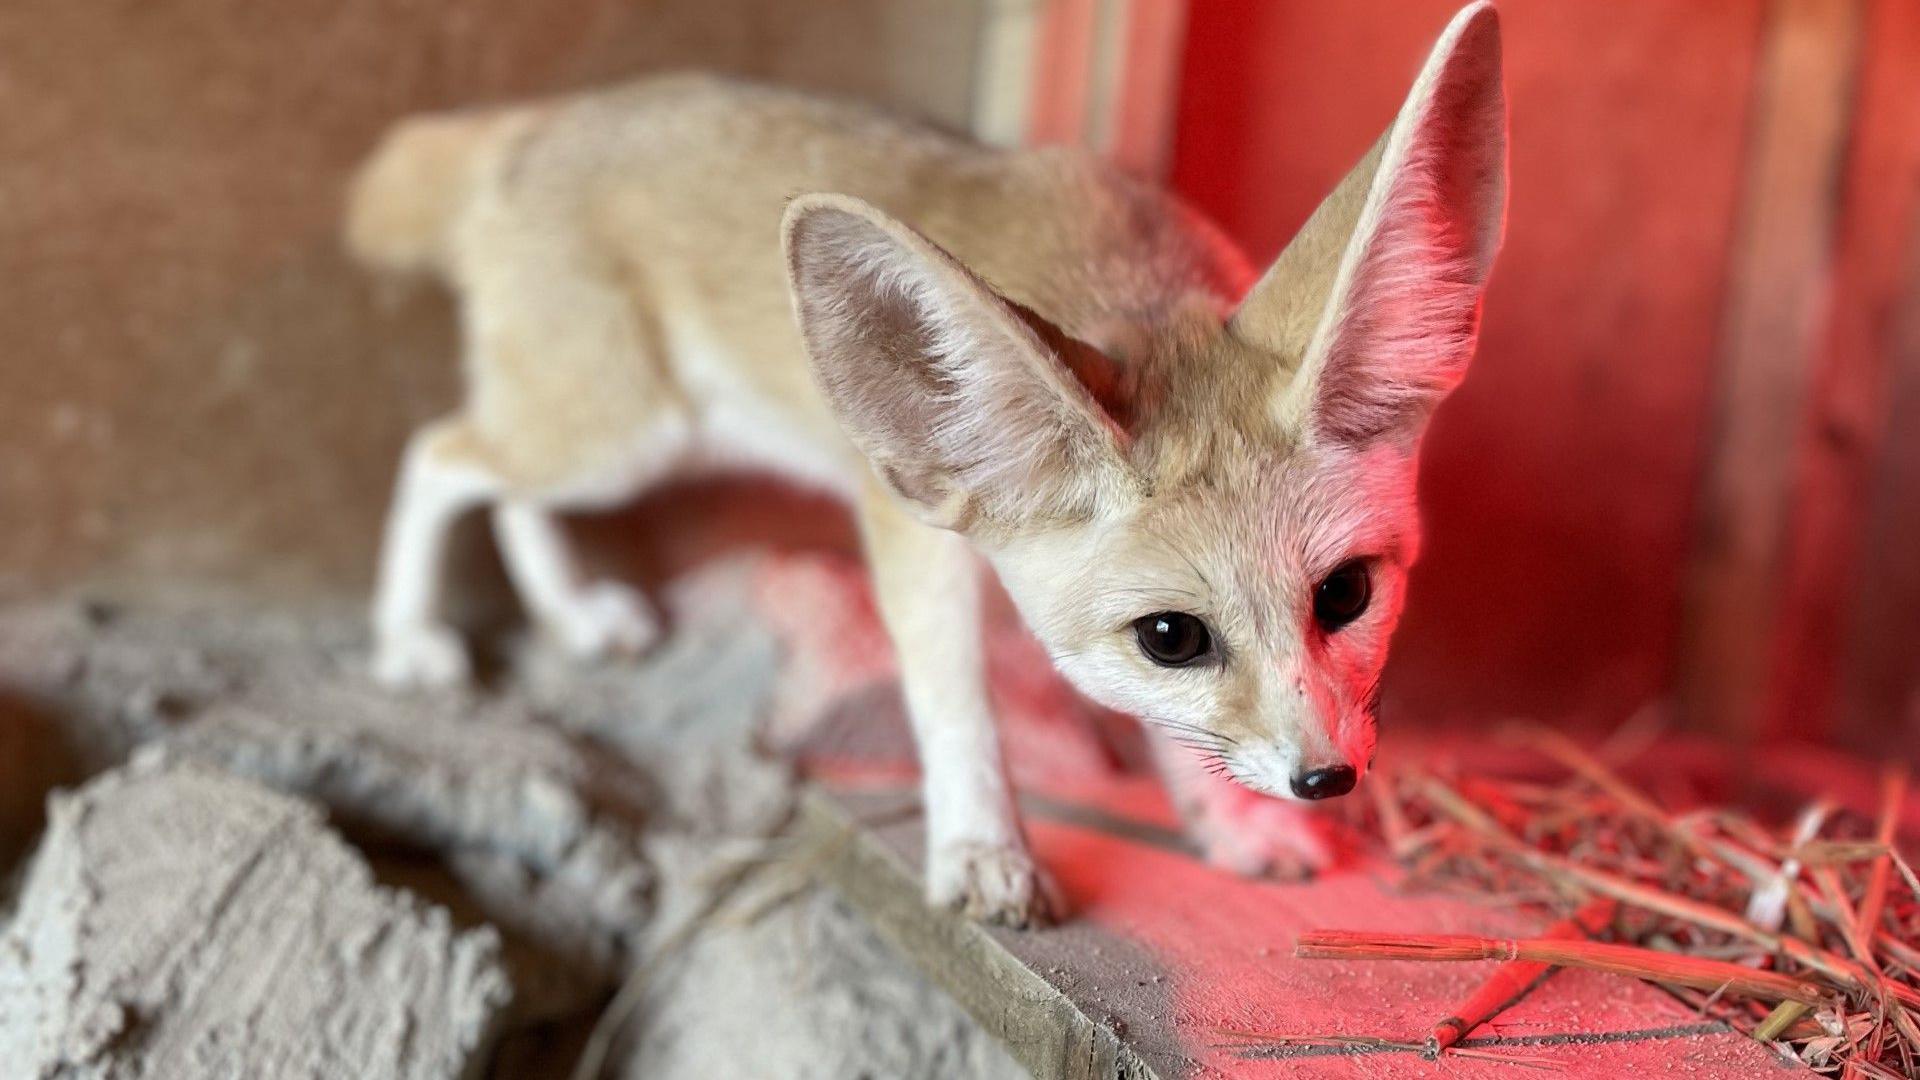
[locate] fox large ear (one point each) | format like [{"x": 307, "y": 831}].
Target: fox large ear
[
  {"x": 950, "y": 391},
  {"x": 1379, "y": 295}
]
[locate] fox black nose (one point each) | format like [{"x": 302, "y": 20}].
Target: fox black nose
[{"x": 1325, "y": 783}]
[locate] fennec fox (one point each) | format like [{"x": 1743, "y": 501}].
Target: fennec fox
[{"x": 1197, "y": 487}]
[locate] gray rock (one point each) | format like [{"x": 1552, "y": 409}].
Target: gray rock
[
  {"x": 179, "y": 921},
  {"x": 804, "y": 991}
]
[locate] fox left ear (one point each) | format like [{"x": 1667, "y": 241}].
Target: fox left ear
[
  {"x": 1379, "y": 295},
  {"x": 970, "y": 408}
]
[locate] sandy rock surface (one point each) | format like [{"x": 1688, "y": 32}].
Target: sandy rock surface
[
  {"x": 543, "y": 837},
  {"x": 576, "y": 818},
  {"x": 816, "y": 968},
  {"x": 181, "y": 921}
]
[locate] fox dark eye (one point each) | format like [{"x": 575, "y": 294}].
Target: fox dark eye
[
  {"x": 1342, "y": 596},
  {"x": 1172, "y": 638}
]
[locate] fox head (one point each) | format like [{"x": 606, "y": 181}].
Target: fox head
[{"x": 1211, "y": 530}]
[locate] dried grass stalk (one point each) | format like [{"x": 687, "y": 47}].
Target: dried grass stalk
[
  {"x": 1893, "y": 793},
  {"x": 1783, "y": 1016},
  {"x": 1730, "y": 979},
  {"x": 1513, "y": 979},
  {"x": 1584, "y": 765}
]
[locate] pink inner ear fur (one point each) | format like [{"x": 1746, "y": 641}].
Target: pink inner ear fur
[
  {"x": 1406, "y": 323},
  {"x": 946, "y": 388},
  {"x": 1103, "y": 380}
]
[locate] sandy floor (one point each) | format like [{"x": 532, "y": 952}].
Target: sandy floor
[{"x": 477, "y": 875}]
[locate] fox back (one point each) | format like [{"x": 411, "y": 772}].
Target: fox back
[{"x": 1195, "y": 481}]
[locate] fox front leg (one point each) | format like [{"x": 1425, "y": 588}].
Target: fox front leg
[{"x": 928, "y": 586}]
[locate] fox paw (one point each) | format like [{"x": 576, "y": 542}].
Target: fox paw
[
  {"x": 422, "y": 657},
  {"x": 993, "y": 883},
  {"x": 1262, "y": 837},
  {"x": 605, "y": 619}
]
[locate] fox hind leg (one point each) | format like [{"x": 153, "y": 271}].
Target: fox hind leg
[
  {"x": 443, "y": 474},
  {"x": 589, "y": 619}
]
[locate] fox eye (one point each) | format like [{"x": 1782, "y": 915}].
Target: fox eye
[
  {"x": 1342, "y": 596},
  {"x": 1172, "y": 638}
]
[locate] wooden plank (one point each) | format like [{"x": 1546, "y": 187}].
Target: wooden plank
[
  {"x": 1045, "y": 1031},
  {"x": 1843, "y": 434},
  {"x": 1166, "y": 966},
  {"x": 1780, "y": 265}
]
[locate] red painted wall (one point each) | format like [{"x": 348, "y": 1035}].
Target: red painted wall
[{"x": 1558, "y": 482}]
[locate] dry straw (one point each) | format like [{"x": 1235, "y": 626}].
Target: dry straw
[{"x": 1807, "y": 938}]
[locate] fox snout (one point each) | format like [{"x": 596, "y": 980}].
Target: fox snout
[
  {"x": 1314, "y": 745},
  {"x": 1284, "y": 770}
]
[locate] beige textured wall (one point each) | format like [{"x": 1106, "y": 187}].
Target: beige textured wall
[{"x": 194, "y": 384}]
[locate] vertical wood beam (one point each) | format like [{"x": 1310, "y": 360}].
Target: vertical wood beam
[
  {"x": 1871, "y": 328},
  {"x": 1880, "y": 684},
  {"x": 1003, "y": 79},
  {"x": 1778, "y": 274},
  {"x": 1062, "y": 78},
  {"x": 1103, "y": 74}
]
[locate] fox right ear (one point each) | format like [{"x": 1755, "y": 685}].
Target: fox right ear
[
  {"x": 1377, "y": 300},
  {"x": 962, "y": 408}
]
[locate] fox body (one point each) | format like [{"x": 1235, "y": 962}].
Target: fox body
[{"x": 1195, "y": 481}]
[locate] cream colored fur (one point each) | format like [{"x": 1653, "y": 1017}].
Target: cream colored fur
[{"x": 1021, "y": 356}]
